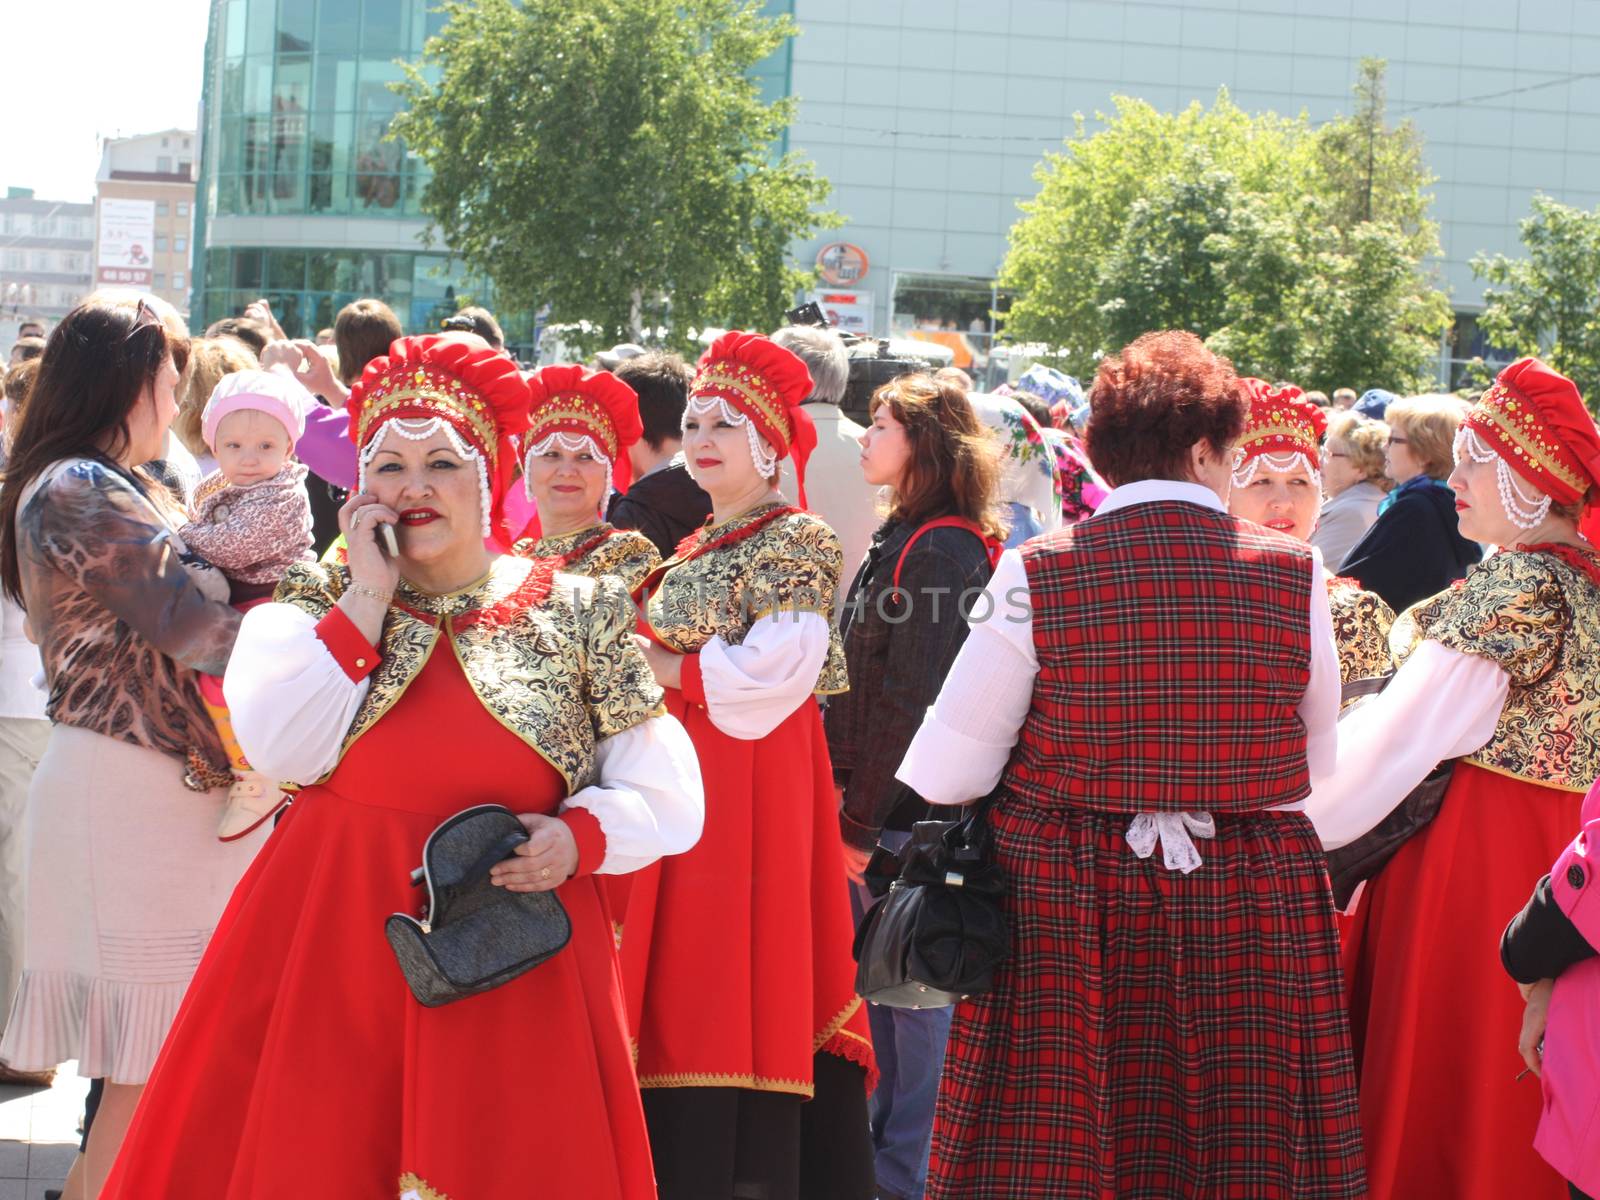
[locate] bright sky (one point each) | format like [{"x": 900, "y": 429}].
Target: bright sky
[{"x": 74, "y": 71}]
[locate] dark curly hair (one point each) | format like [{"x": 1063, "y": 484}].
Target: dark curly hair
[{"x": 1152, "y": 402}]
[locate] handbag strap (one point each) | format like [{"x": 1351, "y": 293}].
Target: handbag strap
[
  {"x": 991, "y": 546},
  {"x": 1371, "y": 686}
]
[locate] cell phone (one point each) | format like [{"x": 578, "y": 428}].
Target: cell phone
[{"x": 386, "y": 532}]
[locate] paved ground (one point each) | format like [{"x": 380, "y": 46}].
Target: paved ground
[{"x": 39, "y": 1135}]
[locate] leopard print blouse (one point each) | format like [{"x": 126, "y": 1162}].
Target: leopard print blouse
[{"x": 121, "y": 622}]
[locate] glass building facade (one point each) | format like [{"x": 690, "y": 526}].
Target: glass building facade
[{"x": 303, "y": 198}]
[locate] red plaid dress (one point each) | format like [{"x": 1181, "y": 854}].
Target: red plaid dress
[{"x": 1154, "y": 1034}]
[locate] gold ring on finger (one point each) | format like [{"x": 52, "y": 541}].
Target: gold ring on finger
[{"x": 544, "y": 872}]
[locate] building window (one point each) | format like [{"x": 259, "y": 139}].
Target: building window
[
  {"x": 177, "y": 281},
  {"x": 164, "y": 164},
  {"x": 180, "y": 244},
  {"x": 161, "y": 243},
  {"x": 16, "y": 260},
  {"x": 161, "y": 208},
  {"x": 161, "y": 279},
  {"x": 183, "y": 208},
  {"x": 186, "y": 168},
  {"x": 165, "y": 142}
]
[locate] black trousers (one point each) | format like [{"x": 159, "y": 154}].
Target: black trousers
[
  {"x": 735, "y": 1144},
  {"x": 1575, "y": 1193}
]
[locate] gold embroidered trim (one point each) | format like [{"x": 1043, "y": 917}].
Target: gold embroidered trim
[
  {"x": 1509, "y": 774},
  {"x": 574, "y": 408},
  {"x": 493, "y": 709},
  {"x": 749, "y": 1083},
  {"x": 415, "y": 1187},
  {"x": 1512, "y": 418},
  {"x": 749, "y": 388},
  {"x": 437, "y": 395},
  {"x": 835, "y": 1025}
]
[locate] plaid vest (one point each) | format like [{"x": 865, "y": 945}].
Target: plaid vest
[{"x": 1174, "y": 646}]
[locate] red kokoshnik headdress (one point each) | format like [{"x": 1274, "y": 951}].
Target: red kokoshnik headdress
[
  {"x": 1535, "y": 420},
  {"x": 424, "y": 384},
  {"x": 767, "y": 385},
  {"x": 1281, "y": 423},
  {"x": 581, "y": 403}
]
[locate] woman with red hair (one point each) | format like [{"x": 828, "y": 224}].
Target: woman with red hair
[
  {"x": 575, "y": 454},
  {"x": 300, "y": 1063},
  {"x": 1160, "y": 674},
  {"x": 1498, "y": 672},
  {"x": 736, "y": 961}
]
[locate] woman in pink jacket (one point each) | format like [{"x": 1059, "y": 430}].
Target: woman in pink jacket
[{"x": 1550, "y": 948}]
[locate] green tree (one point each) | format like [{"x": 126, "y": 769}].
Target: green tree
[
  {"x": 613, "y": 158},
  {"x": 1549, "y": 302},
  {"x": 1296, "y": 251}
]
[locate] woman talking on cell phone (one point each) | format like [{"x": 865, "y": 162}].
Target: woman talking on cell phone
[{"x": 401, "y": 689}]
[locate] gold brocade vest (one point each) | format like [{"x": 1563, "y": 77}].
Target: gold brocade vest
[
  {"x": 1537, "y": 616},
  {"x": 556, "y": 664},
  {"x": 598, "y": 550},
  {"x": 1361, "y": 625},
  {"x": 748, "y": 570}
]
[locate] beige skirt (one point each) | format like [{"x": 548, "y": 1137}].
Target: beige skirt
[{"x": 125, "y": 882}]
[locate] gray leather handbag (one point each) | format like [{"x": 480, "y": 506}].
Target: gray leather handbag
[{"x": 474, "y": 935}]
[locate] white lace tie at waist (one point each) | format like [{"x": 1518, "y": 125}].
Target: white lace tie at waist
[{"x": 1172, "y": 830}]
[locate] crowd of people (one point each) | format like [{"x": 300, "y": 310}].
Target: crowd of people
[{"x": 278, "y": 612}]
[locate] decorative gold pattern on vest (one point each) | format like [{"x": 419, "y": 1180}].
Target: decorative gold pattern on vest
[
  {"x": 791, "y": 565},
  {"x": 625, "y": 553},
  {"x": 1361, "y": 625},
  {"x": 1538, "y": 618},
  {"x": 561, "y": 674}
]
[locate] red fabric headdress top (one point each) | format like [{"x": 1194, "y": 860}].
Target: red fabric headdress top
[
  {"x": 768, "y": 385},
  {"x": 1281, "y": 422},
  {"x": 583, "y": 403},
  {"x": 1535, "y": 420},
  {"x": 476, "y": 394}
]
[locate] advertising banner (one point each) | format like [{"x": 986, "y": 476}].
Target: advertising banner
[
  {"x": 849, "y": 311},
  {"x": 126, "y": 242}
]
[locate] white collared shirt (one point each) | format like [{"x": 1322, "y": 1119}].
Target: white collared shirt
[{"x": 967, "y": 736}]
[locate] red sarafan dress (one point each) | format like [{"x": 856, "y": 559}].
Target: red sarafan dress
[
  {"x": 1169, "y": 1022},
  {"x": 1433, "y": 1016},
  {"x": 300, "y": 1065},
  {"x": 736, "y": 955}
]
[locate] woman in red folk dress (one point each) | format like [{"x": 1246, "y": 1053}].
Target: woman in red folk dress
[
  {"x": 574, "y": 454},
  {"x": 403, "y": 690},
  {"x": 1276, "y": 484},
  {"x": 1498, "y": 671},
  {"x": 753, "y": 1046},
  {"x": 1161, "y": 674}
]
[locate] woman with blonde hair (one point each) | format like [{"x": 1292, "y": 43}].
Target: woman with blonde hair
[
  {"x": 1414, "y": 548},
  {"x": 902, "y": 624},
  {"x": 1353, "y": 483}
]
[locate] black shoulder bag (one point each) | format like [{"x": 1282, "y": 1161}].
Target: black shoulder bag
[
  {"x": 1363, "y": 858},
  {"x": 475, "y": 935},
  {"x": 937, "y": 935}
]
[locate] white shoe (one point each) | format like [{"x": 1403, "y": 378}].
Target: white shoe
[{"x": 252, "y": 799}]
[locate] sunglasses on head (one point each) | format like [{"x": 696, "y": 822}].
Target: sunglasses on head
[{"x": 143, "y": 318}]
